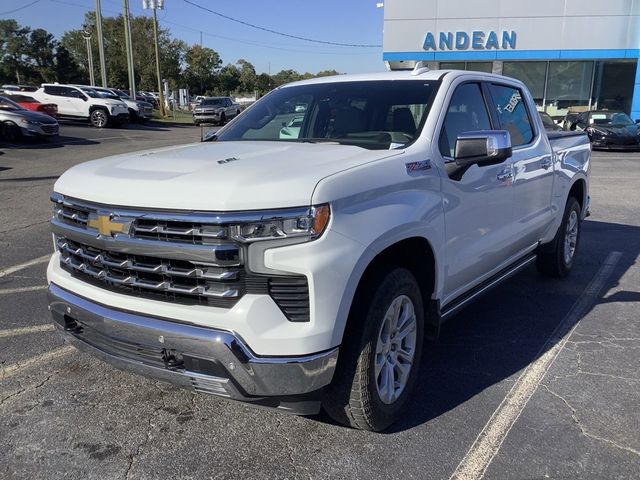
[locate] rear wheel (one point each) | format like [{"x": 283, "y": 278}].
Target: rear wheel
[
  {"x": 380, "y": 354},
  {"x": 11, "y": 132},
  {"x": 556, "y": 258},
  {"x": 99, "y": 118}
]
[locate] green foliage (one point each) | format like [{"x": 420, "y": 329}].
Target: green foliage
[{"x": 33, "y": 56}]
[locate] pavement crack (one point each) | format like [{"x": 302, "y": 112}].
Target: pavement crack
[
  {"x": 583, "y": 429},
  {"x": 147, "y": 439},
  {"x": 27, "y": 389},
  {"x": 25, "y": 226}
]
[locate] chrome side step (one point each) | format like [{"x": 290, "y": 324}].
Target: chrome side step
[{"x": 460, "y": 302}]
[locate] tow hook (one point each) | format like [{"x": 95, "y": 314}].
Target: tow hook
[{"x": 172, "y": 359}]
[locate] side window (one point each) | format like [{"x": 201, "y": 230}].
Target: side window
[
  {"x": 51, "y": 90},
  {"x": 227, "y": 102},
  {"x": 466, "y": 113},
  {"x": 512, "y": 114}
]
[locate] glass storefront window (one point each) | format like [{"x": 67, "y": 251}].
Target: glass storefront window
[
  {"x": 568, "y": 87},
  {"x": 486, "y": 67},
  {"x": 613, "y": 85},
  {"x": 451, "y": 65},
  {"x": 532, "y": 74}
]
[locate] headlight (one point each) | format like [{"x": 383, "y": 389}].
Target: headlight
[
  {"x": 24, "y": 121},
  {"x": 305, "y": 224},
  {"x": 598, "y": 133}
]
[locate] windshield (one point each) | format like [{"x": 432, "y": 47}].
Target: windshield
[
  {"x": 610, "y": 118},
  {"x": 93, "y": 94},
  {"x": 370, "y": 114},
  {"x": 6, "y": 104},
  {"x": 212, "y": 101}
]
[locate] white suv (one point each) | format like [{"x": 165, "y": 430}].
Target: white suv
[{"x": 77, "y": 104}]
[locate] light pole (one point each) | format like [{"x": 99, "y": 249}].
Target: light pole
[
  {"x": 154, "y": 5},
  {"x": 128, "y": 44},
  {"x": 103, "y": 67},
  {"x": 86, "y": 34}
]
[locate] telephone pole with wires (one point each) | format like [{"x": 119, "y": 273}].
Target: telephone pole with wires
[
  {"x": 128, "y": 42},
  {"x": 154, "y": 5},
  {"x": 86, "y": 34},
  {"x": 103, "y": 67}
]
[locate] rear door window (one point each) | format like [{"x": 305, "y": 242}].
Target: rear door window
[{"x": 512, "y": 114}]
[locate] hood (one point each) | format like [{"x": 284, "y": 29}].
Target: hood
[
  {"x": 114, "y": 103},
  {"x": 26, "y": 114},
  {"x": 217, "y": 176},
  {"x": 618, "y": 131}
]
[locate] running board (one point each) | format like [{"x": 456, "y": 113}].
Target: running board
[{"x": 460, "y": 302}]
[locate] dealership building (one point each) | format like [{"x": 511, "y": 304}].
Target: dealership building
[{"x": 574, "y": 55}]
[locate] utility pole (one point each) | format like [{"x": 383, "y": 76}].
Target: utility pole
[
  {"x": 128, "y": 42},
  {"x": 103, "y": 67},
  {"x": 86, "y": 34},
  {"x": 154, "y": 5}
]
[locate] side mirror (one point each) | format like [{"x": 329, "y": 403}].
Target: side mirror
[
  {"x": 637, "y": 120},
  {"x": 483, "y": 147}
]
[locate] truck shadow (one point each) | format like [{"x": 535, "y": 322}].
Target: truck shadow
[{"x": 501, "y": 334}]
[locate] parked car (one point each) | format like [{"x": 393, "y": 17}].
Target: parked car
[
  {"x": 75, "y": 103},
  {"x": 609, "y": 130},
  {"x": 17, "y": 122},
  {"x": 31, "y": 103},
  {"x": 19, "y": 88},
  {"x": 215, "y": 110},
  {"x": 291, "y": 130},
  {"x": 548, "y": 122},
  {"x": 307, "y": 273},
  {"x": 139, "y": 110}
]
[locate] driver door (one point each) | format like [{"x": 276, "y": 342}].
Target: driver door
[{"x": 477, "y": 201}]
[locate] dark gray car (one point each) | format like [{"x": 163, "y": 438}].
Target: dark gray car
[
  {"x": 215, "y": 110},
  {"x": 17, "y": 122}
]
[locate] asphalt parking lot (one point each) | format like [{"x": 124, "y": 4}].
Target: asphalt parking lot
[{"x": 539, "y": 379}]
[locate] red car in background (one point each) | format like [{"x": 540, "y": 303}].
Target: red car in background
[{"x": 31, "y": 103}]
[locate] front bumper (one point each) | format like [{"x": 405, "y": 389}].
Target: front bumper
[
  {"x": 202, "y": 359},
  {"x": 121, "y": 117},
  {"x": 46, "y": 130}
]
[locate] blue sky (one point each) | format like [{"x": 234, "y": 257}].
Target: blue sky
[{"x": 343, "y": 21}]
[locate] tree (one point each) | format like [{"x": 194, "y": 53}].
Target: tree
[
  {"x": 263, "y": 84},
  {"x": 248, "y": 77},
  {"x": 203, "y": 64},
  {"x": 285, "y": 76},
  {"x": 13, "y": 43},
  {"x": 228, "y": 80},
  {"x": 66, "y": 68}
]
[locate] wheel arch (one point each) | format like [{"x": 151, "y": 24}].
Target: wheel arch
[
  {"x": 415, "y": 253},
  {"x": 578, "y": 190}
]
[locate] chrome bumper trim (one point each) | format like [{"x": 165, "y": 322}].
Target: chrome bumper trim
[{"x": 215, "y": 361}]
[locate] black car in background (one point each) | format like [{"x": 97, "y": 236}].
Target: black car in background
[
  {"x": 549, "y": 124},
  {"x": 609, "y": 130}
]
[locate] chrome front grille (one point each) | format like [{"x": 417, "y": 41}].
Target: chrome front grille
[{"x": 178, "y": 257}]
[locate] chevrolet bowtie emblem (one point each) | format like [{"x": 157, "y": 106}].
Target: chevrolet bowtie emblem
[{"x": 106, "y": 226}]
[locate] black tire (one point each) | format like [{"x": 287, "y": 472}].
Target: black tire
[
  {"x": 99, "y": 118},
  {"x": 353, "y": 397},
  {"x": 554, "y": 258},
  {"x": 223, "y": 119},
  {"x": 133, "y": 116},
  {"x": 11, "y": 132}
]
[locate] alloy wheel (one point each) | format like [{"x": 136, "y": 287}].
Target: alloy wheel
[{"x": 571, "y": 237}]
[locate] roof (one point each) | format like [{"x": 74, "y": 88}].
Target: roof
[{"x": 392, "y": 75}]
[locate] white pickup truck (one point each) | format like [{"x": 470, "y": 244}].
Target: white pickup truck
[{"x": 307, "y": 272}]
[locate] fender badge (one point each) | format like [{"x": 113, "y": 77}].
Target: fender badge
[
  {"x": 418, "y": 166},
  {"x": 227, "y": 160}
]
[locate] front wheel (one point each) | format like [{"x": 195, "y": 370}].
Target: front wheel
[
  {"x": 223, "y": 119},
  {"x": 556, "y": 258},
  {"x": 11, "y": 132},
  {"x": 380, "y": 354},
  {"x": 99, "y": 118}
]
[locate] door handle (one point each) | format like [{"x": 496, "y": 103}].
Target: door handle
[
  {"x": 505, "y": 175},
  {"x": 546, "y": 162}
]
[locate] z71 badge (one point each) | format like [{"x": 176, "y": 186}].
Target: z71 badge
[{"x": 413, "y": 167}]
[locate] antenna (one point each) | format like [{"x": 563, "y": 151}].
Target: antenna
[{"x": 419, "y": 68}]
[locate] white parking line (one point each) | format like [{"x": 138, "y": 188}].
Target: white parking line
[
  {"x": 22, "y": 289},
  {"x": 475, "y": 463},
  {"x": 11, "y": 370},
  {"x": 21, "y": 266},
  {"x": 14, "y": 332}
]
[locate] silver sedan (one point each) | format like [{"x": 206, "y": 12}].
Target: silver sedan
[{"x": 17, "y": 122}]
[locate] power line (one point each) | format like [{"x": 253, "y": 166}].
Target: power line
[
  {"x": 19, "y": 8},
  {"x": 273, "y": 46},
  {"x": 275, "y": 32}
]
